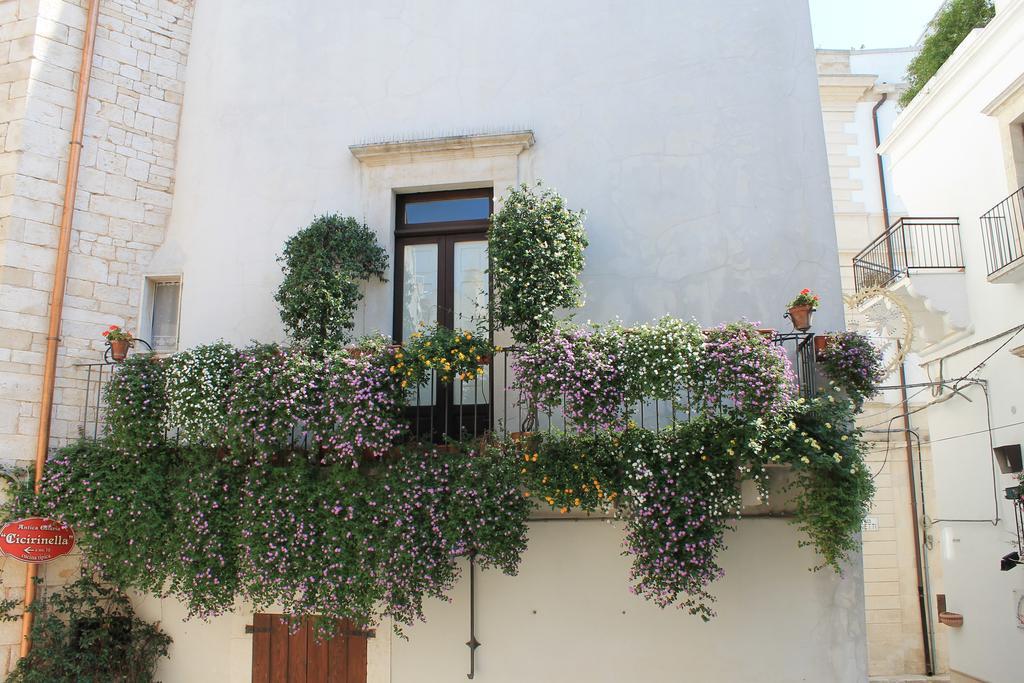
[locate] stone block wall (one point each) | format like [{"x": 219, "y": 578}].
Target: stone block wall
[{"x": 124, "y": 197}]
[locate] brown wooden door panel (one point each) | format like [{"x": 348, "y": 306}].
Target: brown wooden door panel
[
  {"x": 356, "y": 660},
  {"x": 261, "y": 648},
  {"x": 278, "y": 649},
  {"x": 316, "y": 654},
  {"x": 337, "y": 660},
  {"x": 298, "y": 656},
  {"x": 280, "y": 656}
]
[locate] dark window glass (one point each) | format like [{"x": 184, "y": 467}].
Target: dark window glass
[{"x": 468, "y": 209}]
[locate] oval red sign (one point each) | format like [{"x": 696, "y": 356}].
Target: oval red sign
[{"x": 36, "y": 539}]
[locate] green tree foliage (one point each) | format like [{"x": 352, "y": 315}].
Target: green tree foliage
[
  {"x": 87, "y": 632},
  {"x": 957, "y": 19},
  {"x": 324, "y": 265}
]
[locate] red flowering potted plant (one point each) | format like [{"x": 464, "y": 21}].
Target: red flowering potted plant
[
  {"x": 802, "y": 308},
  {"x": 119, "y": 342}
]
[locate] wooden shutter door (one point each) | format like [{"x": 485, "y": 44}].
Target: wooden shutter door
[{"x": 279, "y": 656}]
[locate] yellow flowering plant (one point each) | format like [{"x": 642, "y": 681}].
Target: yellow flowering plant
[
  {"x": 445, "y": 353},
  {"x": 567, "y": 471}
]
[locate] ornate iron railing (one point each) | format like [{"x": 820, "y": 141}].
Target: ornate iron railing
[
  {"x": 1003, "y": 231},
  {"x": 909, "y": 244},
  {"x": 487, "y": 405}
]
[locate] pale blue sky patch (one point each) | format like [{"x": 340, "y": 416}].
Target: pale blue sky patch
[{"x": 843, "y": 24}]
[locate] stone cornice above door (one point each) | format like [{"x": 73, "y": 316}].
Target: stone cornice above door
[{"x": 443, "y": 148}]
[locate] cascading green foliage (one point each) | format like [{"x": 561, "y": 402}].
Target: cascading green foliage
[
  {"x": 324, "y": 267},
  {"x": 535, "y": 244},
  {"x": 683, "y": 490},
  {"x": 87, "y": 632},
  {"x": 136, "y": 399},
  {"x": 204, "y": 507},
  {"x": 334, "y": 541},
  {"x": 116, "y": 499},
  {"x": 379, "y": 531},
  {"x": 572, "y": 471},
  {"x": 833, "y": 487},
  {"x": 947, "y": 30}
]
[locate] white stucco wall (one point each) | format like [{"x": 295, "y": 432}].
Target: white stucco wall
[
  {"x": 569, "y": 616},
  {"x": 689, "y": 131},
  {"x": 950, "y": 158}
]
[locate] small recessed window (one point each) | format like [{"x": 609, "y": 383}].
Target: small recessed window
[
  {"x": 165, "y": 304},
  {"x": 447, "y": 210}
]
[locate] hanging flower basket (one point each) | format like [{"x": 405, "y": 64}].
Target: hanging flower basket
[
  {"x": 801, "y": 317},
  {"x": 119, "y": 341},
  {"x": 119, "y": 350},
  {"x": 801, "y": 310}
]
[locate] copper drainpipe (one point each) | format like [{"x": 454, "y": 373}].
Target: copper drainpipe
[
  {"x": 60, "y": 274},
  {"x": 922, "y": 599}
]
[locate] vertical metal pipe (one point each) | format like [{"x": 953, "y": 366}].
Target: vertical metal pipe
[
  {"x": 909, "y": 450},
  {"x": 57, "y": 298}
]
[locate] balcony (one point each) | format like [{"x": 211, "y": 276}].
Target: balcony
[
  {"x": 916, "y": 266},
  {"x": 910, "y": 244},
  {"x": 1003, "y": 231},
  {"x": 488, "y": 405}
]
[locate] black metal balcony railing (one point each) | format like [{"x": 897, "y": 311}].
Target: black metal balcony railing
[
  {"x": 489, "y": 404},
  {"x": 909, "y": 244},
  {"x": 1003, "y": 231}
]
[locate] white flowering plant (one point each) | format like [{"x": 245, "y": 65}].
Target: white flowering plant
[
  {"x": 198, "y": 383},
  {"x": 536, "y": 248},
  {"x": 658, "y": 360}
]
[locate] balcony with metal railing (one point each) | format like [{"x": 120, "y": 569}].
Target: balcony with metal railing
[
  {"x": 910, "y": 244},
  {"x": 1002, "y": 230},
  {"x": 487, "y": 405},
  {"x": 919, "y": 264}
]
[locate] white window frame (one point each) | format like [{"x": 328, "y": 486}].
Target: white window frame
[{"x": 146, "y": 308}]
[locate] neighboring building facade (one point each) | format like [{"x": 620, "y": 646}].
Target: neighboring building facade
[
  {"x": 954, "y": 153},
  {"x": 640, "y": 115},
  {"x": 859, "y": 94}
]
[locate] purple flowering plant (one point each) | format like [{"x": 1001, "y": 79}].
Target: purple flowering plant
[
  {"x": 270, "y": 396},
  {"x": 681, "y": 492},
  {"x": 740, "y": 368},
  {"x": 854, "y": 364},
  {"x": 358, "y": 412},
  {"x": 204, "y": 506},
  {"x": 574, "y": 370},
  {"x": 362, "y": 524}
]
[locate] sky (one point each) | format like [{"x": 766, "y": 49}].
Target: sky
[{"x": 842, "y": 24}]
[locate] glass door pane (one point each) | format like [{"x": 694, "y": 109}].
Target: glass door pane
[
  {"x": 419, "y": 302},
  {"x": 470, "y": 298}
]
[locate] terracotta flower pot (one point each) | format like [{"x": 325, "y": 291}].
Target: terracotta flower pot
[
  {"x": 768, "y": 334},
  {"x": 521, "y": 437},
  {"x": 821, "y": 342},
  {"x": 801, "y": 317},
  {"x": 119, "y": 349}
]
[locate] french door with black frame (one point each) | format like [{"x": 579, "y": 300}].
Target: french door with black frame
[{"x": 441, "y": 279}]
